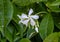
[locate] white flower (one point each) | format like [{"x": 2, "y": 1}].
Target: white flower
[
  {"x": 28, "y": 18},
  {"x": 36, "y": 29}
]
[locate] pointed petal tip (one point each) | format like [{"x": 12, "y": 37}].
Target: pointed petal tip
[
  {"x": 35, "y": 16},
  {"x": 36, "y": 29},
  {"x": 30, "y": 11},
  {"x": 19, "y": 16}
]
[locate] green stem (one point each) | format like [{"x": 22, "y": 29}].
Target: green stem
[
  {"x": 41, "y": 12},
  {"x": 28, "y": 31}
]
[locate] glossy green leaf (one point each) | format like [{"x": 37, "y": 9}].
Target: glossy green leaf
[
  {"x": 25, "y": 40},
  {"x": 6, "y": 13},
  {"x": 46, "y": 26},
  {"x": 54, "y": 37}
]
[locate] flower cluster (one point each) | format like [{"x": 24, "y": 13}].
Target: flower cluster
[{"x": 25, "y": 19}]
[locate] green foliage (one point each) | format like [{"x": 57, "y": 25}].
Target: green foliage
[
  {"x": 54, "y": 37},
  {"x": 47, "y": 25},
  {"x": 26, "y": 2},
  {"x": 6, "y": 13},
  {"x": 25, "y": 40}
]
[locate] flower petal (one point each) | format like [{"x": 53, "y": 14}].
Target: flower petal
[
  {"x": 32, "y": 22},
  {"x": 19, "y": 16},
  {"x": 30, "y": 12},
  {"x": 23, "y": 16},
  {"x": 35, "y": 16},
  {"x": 36, "y": 29},
  {"x": 25, "y": 22}
]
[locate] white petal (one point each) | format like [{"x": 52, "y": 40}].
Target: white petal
[
  {"x": 19, "y": 16},
  {"x": 25, "y": 22},
  {"x": 36, "y": 29},
  {"x": 30, "y": 12},
  {"x": 23, "y": 16},
  {"x": 32, "y": 22},
  {"x": 35, "y": 16}
]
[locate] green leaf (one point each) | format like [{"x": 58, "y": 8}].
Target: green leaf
[
  {"x": 55, "y": 3},
  {"x": 54, "y": 6},
  {"x": 3, "y": 40},
  {"x": 54, "y": 37},
  {"x": 46, "y": 26},
  {"x": 26, "y": 2},
  {"x": 6, "y": 13},
  {"x": 30, "y": 33},
  {"x": 25, "y": 40},
  {"x": 21, "y": 29},
  {"x": 9, "y": 32}
]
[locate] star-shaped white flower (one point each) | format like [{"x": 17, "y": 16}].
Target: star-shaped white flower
[{"x": 28, "y": 18}]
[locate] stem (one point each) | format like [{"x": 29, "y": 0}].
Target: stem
[
  {"x": 37, "y": 23},
  {"x": 41, "y": 12},
  {"x": 28, "y": 31}
]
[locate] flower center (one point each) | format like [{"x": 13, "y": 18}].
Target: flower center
[{"x": 29, "y": 17}]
